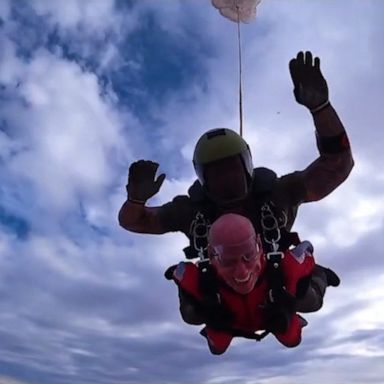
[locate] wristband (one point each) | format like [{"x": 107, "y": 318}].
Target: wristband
[
  {"x": 138, "y": 202},
  {"x": 134, "y": 201},
  {"x": 320, "y": 107}
]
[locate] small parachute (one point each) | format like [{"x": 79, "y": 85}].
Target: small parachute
[{"x": 237, "y": 10}]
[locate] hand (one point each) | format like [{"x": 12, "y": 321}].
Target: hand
[
  {"x": 141, "y": 181},
  {"x": 311, "y": 89}
]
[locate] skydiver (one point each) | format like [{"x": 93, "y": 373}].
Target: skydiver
[
  {"x": 248, "y": 302},
  {"x": 227, "y": 182}
]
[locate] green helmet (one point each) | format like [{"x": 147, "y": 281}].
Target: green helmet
[{"x": 218, "y": 144}]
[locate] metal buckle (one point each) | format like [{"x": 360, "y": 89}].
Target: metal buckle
[
  {"x": 199, "y": 229},
  {"x": 275, "y": 258},
  {"x": 203, "y": 265}
]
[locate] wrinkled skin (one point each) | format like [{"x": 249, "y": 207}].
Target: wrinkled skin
[{"x": 235, "y": 252}]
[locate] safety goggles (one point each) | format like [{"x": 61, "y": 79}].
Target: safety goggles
[{"x": 230, "y": 254}]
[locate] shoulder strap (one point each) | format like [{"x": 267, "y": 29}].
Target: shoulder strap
[{"x": 198, "y": 239}]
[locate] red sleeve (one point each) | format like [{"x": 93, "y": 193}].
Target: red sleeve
[
  {"x": 297, "y": 263},
  {"x": 292, "y": 337},
  {"x": 186, "y": 276}
]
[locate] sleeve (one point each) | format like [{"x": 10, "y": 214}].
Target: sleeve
[
  {"x": 298, "y": 264},
  {"x": 185, "y": 275},
  {"x": 177, "y": 214},
  {"x": 318, "y": 180},
  {"x": 290, "y": 189},
  {"x": 292, "y": 337},
  {"x": 325, "y": 174}
]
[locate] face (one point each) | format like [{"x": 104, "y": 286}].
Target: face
[
  {"x": 226, "y": 179},
  {"x": 238, "y": 265}
]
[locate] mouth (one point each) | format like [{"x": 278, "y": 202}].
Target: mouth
[{"x": 245, "y": 280}]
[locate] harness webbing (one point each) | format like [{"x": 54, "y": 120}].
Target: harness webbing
[{"x": 275, "y": 238}]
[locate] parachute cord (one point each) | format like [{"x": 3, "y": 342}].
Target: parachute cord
[{"x": 240, "y": 73}]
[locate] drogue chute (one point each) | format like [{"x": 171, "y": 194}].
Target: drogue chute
[{"x": 237, "y": 10}]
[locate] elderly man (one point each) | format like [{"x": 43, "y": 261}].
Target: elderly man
[{"x": 247, "y": 301}]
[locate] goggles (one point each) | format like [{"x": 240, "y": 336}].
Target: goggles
[{"x": 229, "y": 255}]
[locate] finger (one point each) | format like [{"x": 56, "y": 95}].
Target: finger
[
  {"x": 134, "y": 164},
  {"x": 159, "y": 181},
  {"x": 317, "y": 63},
  {"x": 300, "y": 58},
  {"x": 308, "y": 59},
  {"x": 153, "y": 166},
  {"x": 293, "y": 69}
]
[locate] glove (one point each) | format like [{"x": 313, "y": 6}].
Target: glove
[
  {"x": 310, "y": 87},
  {"x": 141, "y": 181}
]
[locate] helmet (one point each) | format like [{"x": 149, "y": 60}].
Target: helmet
[{"x": 218, "y": 144}]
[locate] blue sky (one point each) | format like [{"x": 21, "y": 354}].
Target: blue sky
[{"x": 87, "y": 87}]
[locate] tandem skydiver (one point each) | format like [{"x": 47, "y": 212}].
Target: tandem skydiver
[{"x": 228, "y": 182}]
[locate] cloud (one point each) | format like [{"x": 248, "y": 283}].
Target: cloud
[{"x": 86, "y": 88}]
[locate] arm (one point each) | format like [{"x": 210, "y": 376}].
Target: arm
[
  {"x": 311, "y": 289},
  {"x": 335, "y": 162},
  {"x": 141, "y": 219},
  {"x": 189, "y": 309}
]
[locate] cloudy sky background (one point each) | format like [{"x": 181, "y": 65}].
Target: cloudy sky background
[{"x": 89, "y": 86}]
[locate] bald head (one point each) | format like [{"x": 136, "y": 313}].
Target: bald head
[
  {"x": 230, "y": 229},
  {"x": 235, "y": 252}
]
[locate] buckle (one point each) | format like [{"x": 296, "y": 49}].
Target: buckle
[
  {"x": 274, "y": 258},
  {"x": 203, "y": 265}
]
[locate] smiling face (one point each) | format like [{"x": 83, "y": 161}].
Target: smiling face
[{"x": 235, "y": 252}]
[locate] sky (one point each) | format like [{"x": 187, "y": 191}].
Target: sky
[{"x": 89, "y": 86}]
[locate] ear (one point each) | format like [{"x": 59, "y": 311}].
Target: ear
[
  {"x": 259, "y": 243},
  {"x": 211, "y": 255}
]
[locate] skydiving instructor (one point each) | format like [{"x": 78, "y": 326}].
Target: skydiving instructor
[{"x": 228, "y": 182}]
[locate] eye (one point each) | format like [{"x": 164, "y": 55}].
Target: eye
[{"x": 249, "y": 256}]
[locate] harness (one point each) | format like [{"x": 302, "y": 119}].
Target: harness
[{"x": 275, "y": 238}]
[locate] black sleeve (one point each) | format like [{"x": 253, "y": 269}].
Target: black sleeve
[
  {"x": 290, "y": 189},
  {"x": 177, "y": 214}
]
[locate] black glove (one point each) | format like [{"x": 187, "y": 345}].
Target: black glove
[
  {"x": 311, "y": 89},
  {"x": 141, "y": 181}
]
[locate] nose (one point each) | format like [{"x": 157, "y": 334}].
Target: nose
[{"x": 241, "y": 270}]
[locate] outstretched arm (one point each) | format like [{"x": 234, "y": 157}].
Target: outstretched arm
[
  {"x": 141, "y": 219},
  {"x": 335, "y": 162}
]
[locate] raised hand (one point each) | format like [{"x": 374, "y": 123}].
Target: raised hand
[
  {"x": 310, "y": 87},
  {"x": 142, "y": 182}
]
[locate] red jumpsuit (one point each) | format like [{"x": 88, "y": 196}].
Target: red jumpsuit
[{"x": 249, "y": 310}]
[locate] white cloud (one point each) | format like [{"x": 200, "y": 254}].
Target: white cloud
[
  {"x": 100, "y": 291},
  {"x": 68, "y": 128},
  {"x": 93, "y": 14}
]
